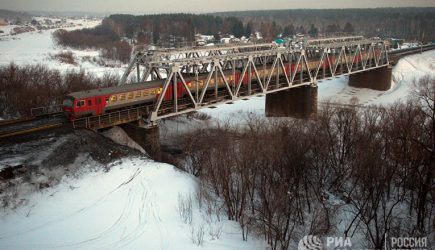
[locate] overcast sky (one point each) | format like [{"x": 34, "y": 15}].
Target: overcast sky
[{"x": 194, "y": 6}]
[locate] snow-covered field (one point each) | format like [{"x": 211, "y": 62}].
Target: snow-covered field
[{"x": 37, "y": 47}]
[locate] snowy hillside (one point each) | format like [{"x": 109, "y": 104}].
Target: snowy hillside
[
  {"x": 132, "y": 206},
  {"x": 130, "y": 203}
]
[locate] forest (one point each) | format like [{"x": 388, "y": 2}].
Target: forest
[
  {"x": 405, "y": 23},
  {"x": 117, "y": 34}
]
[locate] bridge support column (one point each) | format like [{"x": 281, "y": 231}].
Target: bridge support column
[
  {"x": 147, "y": 138},
  {"x": 298, "y": 102},
  {"x": 377, "y": 79}
]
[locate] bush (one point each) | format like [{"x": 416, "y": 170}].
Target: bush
[
  {"x": 64, "y": 57},
  {"x": 26, "y": 87}
]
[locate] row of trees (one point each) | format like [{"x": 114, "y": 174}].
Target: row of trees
[
  {"x": 407, "y": 23},
  {"x": 153, "y": 27},
  {"x": 117, "y": 32},
  {"x": 372, "y": 168},
  {"x": 26, "y": 87},
  {"x": 271, "y": 30},
  {"x": 111, "y": 35},
  {"x": 101, "y": 37},
  {"x": 147, "y": 29}
]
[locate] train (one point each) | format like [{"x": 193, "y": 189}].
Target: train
[{"x": 105, "y": 100}]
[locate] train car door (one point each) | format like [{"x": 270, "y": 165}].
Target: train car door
[{"x": 99, "y": 105}]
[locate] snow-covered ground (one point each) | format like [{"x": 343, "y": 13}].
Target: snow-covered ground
[
  {"x": 130, "y": 203},
  {"x": 132, "y": 206},
  {"x": 38, "y": 47}
]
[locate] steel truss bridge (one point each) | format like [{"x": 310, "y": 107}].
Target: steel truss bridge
[
  {"x": 207, "y": 75},
  {"x": 263, "y": 64}
]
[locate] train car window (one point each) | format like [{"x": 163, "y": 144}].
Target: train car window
[
  {"x": 98, "y": 101},
  {"x": 113, "y": 98},
  {"x": 89, "y": 102},
  {"x": 130, "y": 95},
  {"x": 138, "y": 94},
  {"x": 80, "y": 103},
  {"x": 68, "y": 103},
  {"x": 122, "y": 97}
]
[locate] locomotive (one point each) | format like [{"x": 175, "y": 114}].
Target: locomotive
[{"x": 100, "y": 101}]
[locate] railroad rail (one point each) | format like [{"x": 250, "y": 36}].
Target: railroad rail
[
  {"x": 395, "y": 55},
  {"x": 38, "y": 121},
  {"x": 33, "y": 129}
]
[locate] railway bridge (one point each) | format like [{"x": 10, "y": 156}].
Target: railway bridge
[
  {"x": 288, "y": 76},
  {"x": 201, "y": 77}
]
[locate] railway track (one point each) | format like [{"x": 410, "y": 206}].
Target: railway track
[
  {"x": 30, "y": 130},
  {"x": 32, "y": 124},
  {"x": 5, "y": 123},
  {"x": 395, "y": 56}
]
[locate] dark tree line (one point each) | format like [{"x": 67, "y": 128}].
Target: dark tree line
[
  {"x": 100, "y": 37},
  {"x": 282, "y": 179},
  {"x": 112, "y": 34},
  {"x": 183, "y": 25},
  {"x": 26, "y": 87},
  {"x": 407, "y": 23}
]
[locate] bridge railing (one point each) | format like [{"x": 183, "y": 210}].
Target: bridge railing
[
  {"x": 112, "y": 119},
  {"x": 47, "y": 110}
]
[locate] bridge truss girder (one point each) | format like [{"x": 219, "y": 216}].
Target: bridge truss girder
[
  {"x": 265, "y": 71},
  {"x": 141, "y": 58}
]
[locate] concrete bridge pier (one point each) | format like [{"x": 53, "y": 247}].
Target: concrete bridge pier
[
  {"x": 300, "y": 102},
  {"x": 377, "y": 79},
  {"x": 147, "y": 137}
]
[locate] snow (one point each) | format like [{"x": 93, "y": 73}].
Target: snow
[
  {"x": 119, "y": 136},
  {"x": 37, "y": 47},
  {"x": 132, "y": 206}
]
